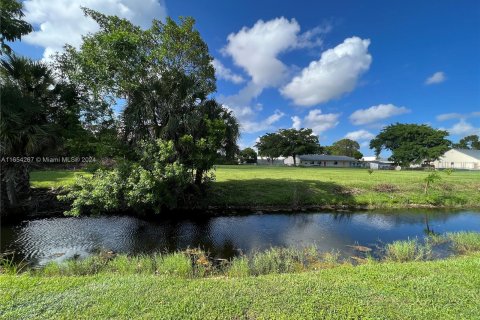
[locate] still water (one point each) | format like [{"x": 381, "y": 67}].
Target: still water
[{"x": 43, "y": 240}]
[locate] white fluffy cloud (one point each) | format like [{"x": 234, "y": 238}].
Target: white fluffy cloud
[
  {"x": 336, "y": 73},
  {"x": 360, "y": 135},
  {"x": 376, "y": 113},
  {"x": 225, "y": 73},
  {"x": 296, "y": 122},
  {"x": 247, "y": 117},
  {"x": 450, "y": 116},
  {"x": 437, "y": 77},
  {"x": 463, "y": 128},
  {"x": 317, "y": 121},
  {"x": 57, "y": 22},
  {"x": 256, "y": 49}
]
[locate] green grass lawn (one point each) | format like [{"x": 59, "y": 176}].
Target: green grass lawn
[
  {"x": 54, "y": 178},
  {"x": 293, "y": 187},
  {"x": 445, "y": 289}
]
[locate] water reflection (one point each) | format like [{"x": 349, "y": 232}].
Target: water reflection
[{"x": 40, "y": 241}]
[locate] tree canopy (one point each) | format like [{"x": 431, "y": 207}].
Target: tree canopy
[
  {"x": 164, "y": 75},
  {"x": 345, "y": 147},
  {"x": 468, "y": 142},
  {"x": 411, "y": 143},
  {"x": 248, "y": 155},
  {"x": 12, "y": 26},
  {"x": 288, "y": 142},
  {"x": 269, "y": 146}
]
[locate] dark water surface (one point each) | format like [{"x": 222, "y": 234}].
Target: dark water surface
[{"x": 40, "y": 241}]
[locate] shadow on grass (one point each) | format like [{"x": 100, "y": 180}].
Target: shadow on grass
[{"x": 280, "y": 192}]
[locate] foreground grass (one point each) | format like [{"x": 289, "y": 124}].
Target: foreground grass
[
  {"x": 446, "y": 289},
  {"x": 294, "y": 187}
]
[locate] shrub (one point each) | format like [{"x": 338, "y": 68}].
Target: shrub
[{"x": 153, "y": 183}]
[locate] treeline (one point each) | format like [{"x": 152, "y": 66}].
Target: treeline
[{"x": 408, "y": 144}]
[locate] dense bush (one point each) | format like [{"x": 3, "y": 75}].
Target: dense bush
[{"x": 155, "y": 182}]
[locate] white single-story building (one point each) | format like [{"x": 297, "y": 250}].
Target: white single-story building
[
  {"x": 322, "y": 160},
  {"x": 459, "y": 159},
  {"x": 377, "y": 163},
  {"x": 267, "y": 161}
]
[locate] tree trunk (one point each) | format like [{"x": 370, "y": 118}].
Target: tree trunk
[
  {"x": 198, "y": 177},
  {"x": 294, "y": 160},
  {"x": 15, "y": 187}
]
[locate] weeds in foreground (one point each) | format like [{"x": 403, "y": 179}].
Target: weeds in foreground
[
  {"x": 464, "y": 242},
  {"x": 407, "y": 250},
  {"x": 9, "y": 266},
  {"x": 195, "y": 263}
]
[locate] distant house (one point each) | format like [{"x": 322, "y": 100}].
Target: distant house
[
  {"x": 322, "y": 160},
  {"x": 377, "y": 163},
  {"x": 459, "y": 159},
  {"x": 268, "y": 161}
]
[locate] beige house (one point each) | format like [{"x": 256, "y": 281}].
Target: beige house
[
  {"x": 459, "y": 159},
  {"x": 322, "y": 160}
]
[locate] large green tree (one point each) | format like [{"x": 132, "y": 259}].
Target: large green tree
[
  {"x": 469, "y": 142},
  {"x": 164, "y": 75},
  {"x": 248, "y": 155},
  {"x": 269, "y": 146},
  {"x": 345, "y": 147},
  {"x": 289, "y": 142},
  {"x": 12, "y": 26},
  {"x": 411, "y": 143}
]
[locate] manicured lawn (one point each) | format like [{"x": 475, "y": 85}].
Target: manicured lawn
[
  {"x": 257, "y": 186},
  {"x": 54, "y": 178},
  {"x": 290, "y": 186},
  {"x": 448, "y": 289}
]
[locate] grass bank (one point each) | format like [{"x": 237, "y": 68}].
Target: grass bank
[
  {"x": 445, "y": 289},
  {"x": 196, "y": 263},
  {"x": 264, "y": 188},
  {"x": 187, "y": 286}
]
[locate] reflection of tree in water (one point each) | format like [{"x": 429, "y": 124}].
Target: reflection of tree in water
[
  {"x": 227, "y": 250},
  {"x": 342, "y": 216},
  {"x": 301, "y": 220},
  {"x": 428, "y": 230},
  {"x": 200, "y": 235}
]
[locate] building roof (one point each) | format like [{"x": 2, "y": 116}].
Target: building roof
[
  {"x": 324, "y": 157},
  {"x": 469, "y": 152}
]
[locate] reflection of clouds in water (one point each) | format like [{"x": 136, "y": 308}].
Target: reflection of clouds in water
[
  {"x": 380, "y": 222},
  {"x": 320, "y": 231}
]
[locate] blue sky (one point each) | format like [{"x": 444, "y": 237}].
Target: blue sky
[{"x": 343, "y": 68}]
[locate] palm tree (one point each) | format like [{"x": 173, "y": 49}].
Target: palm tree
[
  {"x": 174, "y": 107},
  {"x": 26, "y": 127}
]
